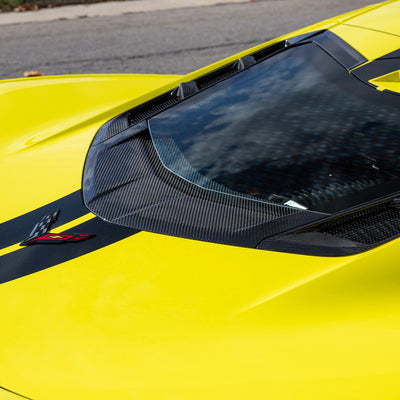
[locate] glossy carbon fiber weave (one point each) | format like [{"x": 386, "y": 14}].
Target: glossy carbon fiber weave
[
  {"x": 349, "y": 233},
  {"x": 125, "y": 183}
]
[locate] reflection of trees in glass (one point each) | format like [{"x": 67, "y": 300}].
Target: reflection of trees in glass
[{"x": 294, "y": 122}]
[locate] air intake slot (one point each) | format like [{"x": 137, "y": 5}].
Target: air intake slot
[
  {"x": 371, "y": 226},
  {"x": 344, "y": 235}
]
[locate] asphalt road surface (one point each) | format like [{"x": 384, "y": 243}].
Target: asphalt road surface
[{"x": 168, "y": 42}]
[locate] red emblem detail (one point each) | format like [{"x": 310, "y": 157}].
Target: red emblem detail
[
  {"x": 40, "y": 233},
  {"x": 58, "y": 238}
]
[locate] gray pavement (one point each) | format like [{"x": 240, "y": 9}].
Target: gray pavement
[{"x": 168, "y": 38}]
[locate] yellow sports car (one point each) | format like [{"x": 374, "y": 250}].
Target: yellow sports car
[{"x": 229, "y": 234}]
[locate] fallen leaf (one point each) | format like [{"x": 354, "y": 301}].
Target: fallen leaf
[{"x": 28, "y": 74}]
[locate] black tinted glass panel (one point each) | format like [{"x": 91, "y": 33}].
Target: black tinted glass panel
[{"x": 296, "y": 130}]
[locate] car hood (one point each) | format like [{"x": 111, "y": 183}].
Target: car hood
[
  {"x": 139, "y": 315},
  {"x": 48, "y": 124},
  {"x": 152, "y": 317}
]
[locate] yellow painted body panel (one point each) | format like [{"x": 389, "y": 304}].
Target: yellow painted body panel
[
  {"x": 48, "y": 124},
  {"x": 389, "y": 81},
  {"x": 7, "y": 395},
  {"x": 156, "y": 317},
  {"x": 369, "y": 43},
  {"x": 153, "y": 317},
  {"x": 373, "y": 33},
  {"x": 382, "y": 19}
]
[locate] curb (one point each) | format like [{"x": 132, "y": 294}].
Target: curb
[{"x": 105, "y": 9}]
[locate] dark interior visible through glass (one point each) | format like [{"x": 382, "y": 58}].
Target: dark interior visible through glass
[{"x": 296, "y": 129}]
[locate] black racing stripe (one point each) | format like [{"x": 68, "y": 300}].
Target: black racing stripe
[
  {"x": 17, "y": 229},
  {"x": 41, "y": 256}
]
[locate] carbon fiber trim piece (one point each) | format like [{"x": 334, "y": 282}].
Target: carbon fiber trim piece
[
  {"x": 303, "y": 244},
  {"x": 332, "y": 44},
  {"x": 347, "y": 234},
  {"x": 341, "y": 51},
  {"x": 377, "y": 68},
  {"x": 393, "y": 54},
  {"x": 125, "y": 183},
  {"x": 370, "y": 226},
  {"x": 217, "y": 76}
]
